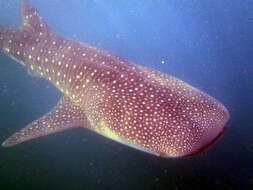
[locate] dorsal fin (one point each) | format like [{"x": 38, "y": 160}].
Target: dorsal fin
[{"x": 31, "y": 20}]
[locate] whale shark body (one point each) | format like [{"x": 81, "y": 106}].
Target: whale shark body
[{"x": 131, "y": 104}]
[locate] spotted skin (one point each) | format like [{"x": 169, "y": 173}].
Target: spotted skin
[
  {"x": 134, "y": 105},
  {"x": 65, "y": 115}
]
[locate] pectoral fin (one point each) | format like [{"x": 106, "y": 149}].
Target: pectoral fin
[{"x": 65, "y": 115}]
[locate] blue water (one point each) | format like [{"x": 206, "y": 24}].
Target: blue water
[{"x": 208, "y": 44}]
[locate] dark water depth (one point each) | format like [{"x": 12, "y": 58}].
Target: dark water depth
[{"x": 208, "y": 44}]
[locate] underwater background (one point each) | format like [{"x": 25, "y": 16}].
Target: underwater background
[{"x": 208, "y": 44}]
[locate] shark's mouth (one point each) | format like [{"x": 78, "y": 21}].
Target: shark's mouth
[{"x": 204, "y": 148}]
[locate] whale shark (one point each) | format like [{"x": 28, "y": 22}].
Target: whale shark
[{"x": 132, "y": 104}]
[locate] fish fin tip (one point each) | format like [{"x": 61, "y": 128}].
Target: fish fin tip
[
  {"x": 31, "y": 20},
  {"x": 4, "y": 144},
  {"x": 65, "y": 115},
  {"x": 8, "y": 143}
]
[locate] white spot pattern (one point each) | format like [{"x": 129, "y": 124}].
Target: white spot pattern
[{"x": 132, "y": 104}]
